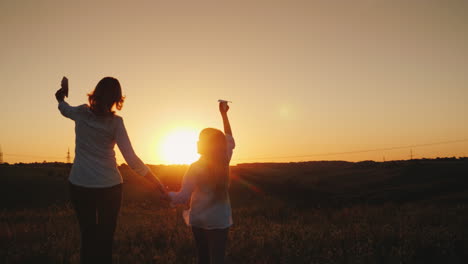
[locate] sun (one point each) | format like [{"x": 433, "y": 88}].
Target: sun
[{"x": 179, "y": 147}]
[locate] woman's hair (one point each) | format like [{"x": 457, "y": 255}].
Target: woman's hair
[
  {"x": 106, "y": 94},
  {"x": 212, "y": 146}
]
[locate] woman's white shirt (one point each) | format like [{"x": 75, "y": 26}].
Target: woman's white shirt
[
  {"x": 205, "y": 210},
  {"x": 95, "y": 165}
]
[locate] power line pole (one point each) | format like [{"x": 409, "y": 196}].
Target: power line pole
[
  {"x": 68, "y": 156},
  {"x": 411, "y": 154},
  {"x": 1, "y": 155}
]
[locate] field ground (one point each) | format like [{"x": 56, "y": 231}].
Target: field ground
[{"x": 315, "y": 212}]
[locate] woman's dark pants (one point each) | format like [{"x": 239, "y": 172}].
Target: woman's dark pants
[{"x": 97, "y": 210}]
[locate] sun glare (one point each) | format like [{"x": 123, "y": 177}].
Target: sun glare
[{"x": 179, "y": 147}]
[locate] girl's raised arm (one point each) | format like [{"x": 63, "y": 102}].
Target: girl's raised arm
[{"x": 224, "y": 108}]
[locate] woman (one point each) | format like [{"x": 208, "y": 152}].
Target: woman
[
  {"x": 206, "y": 185},
  {"x": 95, "y": 181}
]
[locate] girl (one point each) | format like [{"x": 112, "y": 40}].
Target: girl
[
  {"x": 95, "y": 181},
  {"x": 206, "y": 184}
]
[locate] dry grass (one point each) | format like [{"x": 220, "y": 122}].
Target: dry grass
[{"x": 385, "y": 234}]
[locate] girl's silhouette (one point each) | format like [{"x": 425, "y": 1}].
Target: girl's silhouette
[{"x": 206, "y": 184}]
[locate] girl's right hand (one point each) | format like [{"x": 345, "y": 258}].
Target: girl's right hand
[{"x": 223, "y": 107}]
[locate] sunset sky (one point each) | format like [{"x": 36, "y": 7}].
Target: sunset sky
[{"x": 305, "y": 77}]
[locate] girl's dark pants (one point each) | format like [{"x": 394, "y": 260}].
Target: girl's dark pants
[
  {"x": 97, "y": 210},
  {"x": 211, "y": 244}
]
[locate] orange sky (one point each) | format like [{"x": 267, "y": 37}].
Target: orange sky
[{"x": 306, "y": 77}]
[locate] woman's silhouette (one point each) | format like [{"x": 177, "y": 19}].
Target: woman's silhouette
[{"x": 95, "y": 181}]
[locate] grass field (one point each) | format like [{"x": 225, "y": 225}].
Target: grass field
[{"x": 316, "y": 212}]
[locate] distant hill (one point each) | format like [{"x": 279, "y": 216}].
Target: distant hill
[
  {"x": 303, "y": 184},
  {"x": 338, "y": 183}
]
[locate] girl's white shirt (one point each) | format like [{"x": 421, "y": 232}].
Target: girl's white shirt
[
  {"x": 95, "y": 165},
  {"x": 205, "y": 210}
]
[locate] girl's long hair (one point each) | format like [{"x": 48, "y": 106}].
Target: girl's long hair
[
  {"x": 107, "y": 93},
  {"x": 212, "y": 146}
]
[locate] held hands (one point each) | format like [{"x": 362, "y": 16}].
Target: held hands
[
  {"x": 63, "y": 91},
  {"x": 163, "y": 193},
  {"x": 176, "y": 202},
  {"x": 157, "y": 185},
  {"x": 162, "y": 190},
  {"x": 171, "y": 199}
]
